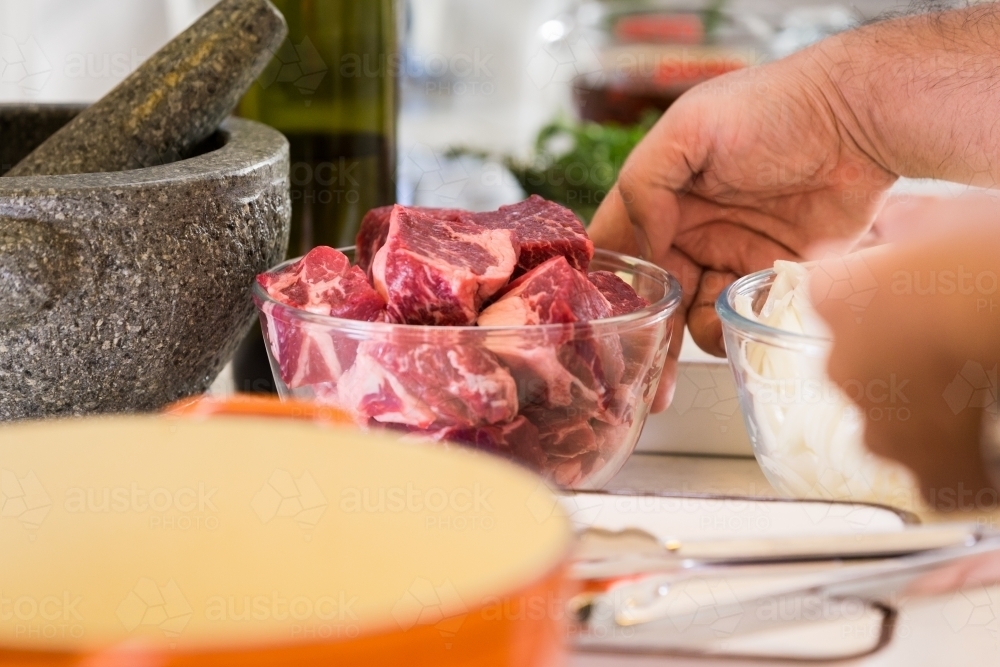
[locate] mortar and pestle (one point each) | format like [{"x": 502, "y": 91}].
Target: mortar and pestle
[{"x": 131, "y": 231}]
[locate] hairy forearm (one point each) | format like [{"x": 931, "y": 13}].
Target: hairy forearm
[{"x": 920, "y": 95}]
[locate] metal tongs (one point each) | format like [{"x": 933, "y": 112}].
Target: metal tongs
[
  {"x": 672, "y": 602},
  {"x": 606, "y": 554}
]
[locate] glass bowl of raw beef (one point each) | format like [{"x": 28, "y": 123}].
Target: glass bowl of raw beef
[{"x": 504, "y": 331}]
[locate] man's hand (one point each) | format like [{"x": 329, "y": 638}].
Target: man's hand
[
  {"x": 981, "y": 570},
  {"x": 744, "y": 170},
  {"x": 762, "y": 164}
]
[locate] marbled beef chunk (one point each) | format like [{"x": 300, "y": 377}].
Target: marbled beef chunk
[
  {"x": 544, "y": 230},
  {"x": 323, "y": 282},
  {"x": 635, "y": 344},
  {"x": 562, "y": 367},
  {"x": 439, "y": 272},
  {"x": 623, "y": 299},
  {"x": 371, "y": 237},
  {"x": 517, "y": 440},
  {"x": 421, "y": 385},
  {"x": 375, "y": 230}
]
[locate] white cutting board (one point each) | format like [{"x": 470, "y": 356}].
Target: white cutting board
[
  {"x": 857, "y": 631},
  {"x": 697, "y": 518}
]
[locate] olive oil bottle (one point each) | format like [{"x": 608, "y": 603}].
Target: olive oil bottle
[{"x": 332, "y": 89}]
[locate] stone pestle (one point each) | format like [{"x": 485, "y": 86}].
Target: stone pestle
[{"x": 173, "y": 102}]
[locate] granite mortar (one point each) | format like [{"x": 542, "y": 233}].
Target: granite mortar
[{"x": 125, "y": 291}]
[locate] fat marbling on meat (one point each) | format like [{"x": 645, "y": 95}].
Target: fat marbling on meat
[
  {"x": 439, "y": 272},
  {"x": 323, "y": 283},
  {"x": 567, "y": 366},
  {"x": 543, "y": 230},
  {"x": 374, "y": 231},
  {"x": 423, "y": 384}
]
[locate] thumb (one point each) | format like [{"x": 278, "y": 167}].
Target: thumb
[
  {"x": 659, "y": 171},
  {"x": 611, "y": 228}
]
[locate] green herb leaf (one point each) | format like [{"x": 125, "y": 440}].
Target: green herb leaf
[{"x": 575, "y": 164}]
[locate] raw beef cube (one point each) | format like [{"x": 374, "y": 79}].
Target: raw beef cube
[
  {"x": 439, "y": 272},
  {"x": 582, "y": 468},
  {"x": 517, "y": 441},
  {"x": 542, "y": 379},
  {"x": 323, "y": 282},
  {"x": 570, "y": 446},
  {"x": 620, "y": 295},
  {"x": 560, "y": 368},
  {"x": 563, "y": 434},
  {"x": 576, "y": 446},
  {"x": 371, "y": 237},
  {"x": 624, "y": 300},
  {"x": 597, "y": 364},
  {"x": 574, "y": 472},
  {"x": 305, "y": 353},
  {"x": 610, "y": 438},
  {"x": 422, "y": 385},
  {"x": 544, "y": 230},
  {"x": 375, "y": 229},
  {"x": 623, "y": 404},
  {"x": 553, "y": 293}
]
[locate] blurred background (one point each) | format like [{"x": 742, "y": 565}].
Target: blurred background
[
  {"x": 480, "y": 79},
  {"x": 451, "y": 103}
]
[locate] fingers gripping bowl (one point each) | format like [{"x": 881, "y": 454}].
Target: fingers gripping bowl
[
  {"x": 807, "y": 435},
  {"x": 525, "y": 393}
]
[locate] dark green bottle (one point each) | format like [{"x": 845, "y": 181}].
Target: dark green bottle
[{"x": 332, "y": 89}]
